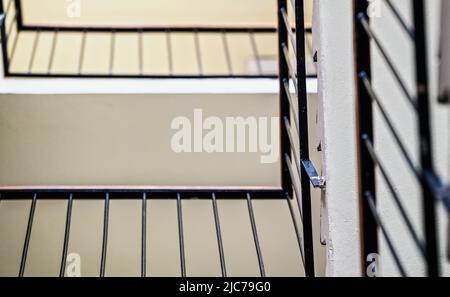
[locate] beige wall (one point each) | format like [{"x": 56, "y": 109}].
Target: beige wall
[
  {"x": 123, "y": 140},
  {"x": 68, "y": 118},
  {"x": 156, "y": 12}
]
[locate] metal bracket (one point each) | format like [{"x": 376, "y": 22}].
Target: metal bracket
[{"x": 317, "y": 181}]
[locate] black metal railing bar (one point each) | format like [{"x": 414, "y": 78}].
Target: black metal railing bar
[
  {"x": 66, "y": 235},
  {"x": 293, "y": 71},
  {"x": 144, "y": 236},
  {"x": 181, "y": 235},
  {"x": 105, "y": 236},
  {"x": 141, "y": 72},
  {"x": 143, "y": 197},
  {"x": 255, "y": 236},
  {"x": 219, "y": 236},
  {"x": 376, "y": 216},
  {"x": 370, "y": 160},
  {"x": 28, "y": 236}
]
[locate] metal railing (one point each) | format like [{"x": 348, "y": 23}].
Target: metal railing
[
  {"x": 371, "y": 162},
  {"x": 295, "y": 164},
  {"x": 258, "y": 65},
  {"x": 293, "y": 72},
  {"x": 70, "y": 197}
]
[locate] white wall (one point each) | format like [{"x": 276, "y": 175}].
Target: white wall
[
  {"x": 401, "y": 51},
  {"x": 333, "y": 39}
]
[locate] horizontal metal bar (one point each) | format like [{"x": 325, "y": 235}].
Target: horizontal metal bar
[
  {"x": 298, "y": 196},
  {"x": 297, "y": 166},
  {"x": 374, "y": 97},
  {"x": 376, "y": 216},
  {"x": 430, "y": 180},
  {"x": 372, "y": 35},
  {"x": 292, "y": 106},
  {"x": 292, "y": 68},
  {"x": 297, "y": 231},
  {"x": 205, "y": 29},
  {"x": 291, "y": 35},
  {"x": 438, "y": 188},
  {"x": 137, "y": 76},
  {"x": 98, "y": 194},
  {"x": 287, "y": 126},
  {"x": 409, "y": 31},
  {"x": 369, "y": 146},
  {"x": 211, "y": 29}
]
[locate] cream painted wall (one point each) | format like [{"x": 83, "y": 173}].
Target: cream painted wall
[
  {"x": 115, "y": 140},
  {"x": 156, "y": 12},
  {"x": 275, "y": 229}
]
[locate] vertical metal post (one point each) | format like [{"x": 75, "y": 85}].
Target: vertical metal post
[
  {"x": 366, "y": 167},
  {"x": 82, "y": 50},
  {"x": 105, "y": 236},
  {"x": 66, "y": 236},
  {"x": 251, "y": 214},
  {"x": 141, "y": 51},
  {"x": 198, "y": 52},
  {"x": 112, "y": 52},
  {"x": 219, "y": 236},
  {"x": 52, "y": 52},
  {"x": 426, "y": 157},
  {"x": 19, "y": 16},
  {"x": 284, "y": 101},
  {"x": 226, "y": 49},
  {"x": 303, "y": 137},
  {"x": 4, "y": 40},
  {"x": 144, "y": 237},
  {"x": 26, "y": 244},
  {"x": 256, "y": 52},
  {"x": 169, "y": 51},
  {"x": 33, "y": 53},
  {"x": 181, "y": 236}
]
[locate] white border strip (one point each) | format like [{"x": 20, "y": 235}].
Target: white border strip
[{"x": 144, "y": 86}]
